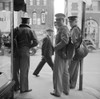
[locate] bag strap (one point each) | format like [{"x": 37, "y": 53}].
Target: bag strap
[{"x": 80, "y": 39}]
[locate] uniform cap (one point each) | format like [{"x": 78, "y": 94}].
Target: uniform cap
[
  {"x": 72, "y": 18},
  {"x": 60, "y": 16},
  {"x": 49, "y": 30},
  {"x": 25, "y": 17}
]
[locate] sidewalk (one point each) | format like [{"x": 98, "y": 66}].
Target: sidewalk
[{"x": 43, "y": 85}]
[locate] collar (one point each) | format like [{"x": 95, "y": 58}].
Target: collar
[{"x": 24, "y": 25}]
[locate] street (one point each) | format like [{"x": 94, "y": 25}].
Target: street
[{"x": 42, "y": 86}]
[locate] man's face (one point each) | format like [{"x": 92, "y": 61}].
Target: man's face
[
  {"x": 60, "y": 22},
  {"x": 72, "y": 23},
  {"x": 49, "y": 33}
]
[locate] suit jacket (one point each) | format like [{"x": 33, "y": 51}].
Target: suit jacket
[{"x": 47, "y": 47}]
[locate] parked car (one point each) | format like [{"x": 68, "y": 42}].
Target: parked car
[{"x": 90, "y": 44}]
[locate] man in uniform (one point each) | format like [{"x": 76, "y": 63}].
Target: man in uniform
[
  {"x": 47, "y": 52},
  {"x": 23, "y": 40},
  {"x": 60, "y": 70},
  {"x": 76, "y": 39}
]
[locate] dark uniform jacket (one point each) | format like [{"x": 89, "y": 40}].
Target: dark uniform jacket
[
  {"x": 25, "y": 36},
  {"x": 47, "y": 47},
  {"x": 76, "y": 38}
]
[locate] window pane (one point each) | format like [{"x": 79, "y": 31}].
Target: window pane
[
  {"x": 38, "y": 2},
  {"x": 5, "y": 51},
  {"x": 74, "y": 6},
  {"x": 43, "y": 15},
  {"x": 34, "y": 17},
  {"x": 44, "y": 2},
  {"x": 1, "y": 6},
  {"x": 7, "y": 6},
  {"x": 31, "y": 2}
]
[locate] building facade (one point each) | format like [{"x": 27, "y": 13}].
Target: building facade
[
  {"x": 41, "y": 13},
  {"x": 92, "y": 18}
]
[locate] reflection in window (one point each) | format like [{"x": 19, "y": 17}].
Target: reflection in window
[
  {"x": 38, "y": 2},
  {"x": 43, "y": 17},
  {"x": 34, "y": 17},
  {"x": 5, "y": 52}
]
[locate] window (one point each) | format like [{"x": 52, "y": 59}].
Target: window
[
  {"x": 89, "y": 8},
  {"x": 34, "y": 17},
  {"x": 7, "y": 6},
  {"x": 38, "y": 21},
  {"x": 38, "y": 2},
  {"x": 31, "y": 2},
  {"x": 5, "y": 52},
  {"x": 74, "y": 6},
  {"x": 44, "y": 2},
  {"x": 95, "y": 5},
  {"x": 43, "y": 17},
  {"x": 1, "y": 6}
]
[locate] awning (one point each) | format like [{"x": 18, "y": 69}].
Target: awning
[{"x": 19, "y": 5}]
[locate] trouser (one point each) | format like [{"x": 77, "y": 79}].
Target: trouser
[
  {"x": 16, "y": 73},
  {"x": 73, "y": 71},
  {"x": 42, "y": 62},
  {"x": 21, "y": 66},
  {"x": 60, "y": 75}
]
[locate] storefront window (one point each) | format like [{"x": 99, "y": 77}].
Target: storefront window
[{"x": 5, "y": 51}]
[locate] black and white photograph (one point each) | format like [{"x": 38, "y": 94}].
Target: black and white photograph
[{"x": 49, "y": 49}]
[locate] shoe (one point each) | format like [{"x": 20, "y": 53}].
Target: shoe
[
  {"x": 66, "y": 93},
  {"x": 16, "y": 89},
  {"x": 55, "y": 95},
  {"x": 36, "y": 75},
  {"x": 26, "y": 91},
  {"x": 71, "y": 87}
]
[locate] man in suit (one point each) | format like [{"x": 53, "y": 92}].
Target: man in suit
[
  {"x": 23, "y": 35},
  {"x": 47, "y": 52}
]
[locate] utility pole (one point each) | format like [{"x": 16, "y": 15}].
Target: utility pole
[{"x": 82, "y": 31}]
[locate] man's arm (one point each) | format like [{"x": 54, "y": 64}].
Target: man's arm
[
  {"x": 64, "y": 39},
  {"x": 33, "y": 39}
]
